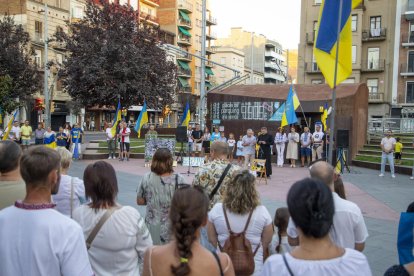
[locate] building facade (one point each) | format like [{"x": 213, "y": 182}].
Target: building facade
[
  {"x": 261, "y": 54},
  {"x": 229, "y": 57},
  {"x": 373, "y": 30}
]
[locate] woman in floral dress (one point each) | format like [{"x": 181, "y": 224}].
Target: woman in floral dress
[{"x": 156, "y": 190}]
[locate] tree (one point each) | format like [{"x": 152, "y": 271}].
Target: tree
[
  {"x": 19, "y": 78},
  {"x": 111, "y": 54}
]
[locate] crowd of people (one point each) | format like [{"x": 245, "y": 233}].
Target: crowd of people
[{"x": 56, "y": 224}]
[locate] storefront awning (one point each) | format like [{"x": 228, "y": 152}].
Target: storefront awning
[{"x": 184, "y": 31}]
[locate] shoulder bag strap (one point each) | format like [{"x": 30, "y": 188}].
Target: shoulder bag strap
[
  {"x": 227, "y": 220},
  {"x": 99, "y": 225},
  {"x": 71, "y": 196},
  {"x": 248, "y": 221},
  {"x": 287, "y": 265},
  {"x": 215, "y": 189},
  {"x": 218, "y": 262},
  {"x": 176, "y": 182}
]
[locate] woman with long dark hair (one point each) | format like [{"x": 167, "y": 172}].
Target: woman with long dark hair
[
  {"x": 311, "y": 207},
  {"x": 184, "y": 255}
]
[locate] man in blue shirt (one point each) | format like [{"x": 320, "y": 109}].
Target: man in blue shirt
[{"x": 61, "y": 138}]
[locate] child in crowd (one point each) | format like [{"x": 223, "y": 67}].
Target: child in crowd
[
  {"x": 222, "y": 137},
  {"x": 232, "y": 143},
  {"x": 239, "y": 152},
  {"x": 280, "y": 243},
  {"x": 398, "y": 151}
]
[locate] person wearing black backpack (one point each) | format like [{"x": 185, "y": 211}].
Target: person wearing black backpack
[{"x": 241, "y": 226}]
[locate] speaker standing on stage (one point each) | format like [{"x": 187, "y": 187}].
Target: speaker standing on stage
[
  {"x": 317, "y": 139},
  {"x": 265, "y": 140},
  {"x": 197, "y": 137}
]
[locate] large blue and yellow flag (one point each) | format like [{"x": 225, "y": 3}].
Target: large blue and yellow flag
[
  {"x": 10, "y": 125},
  {"x": 292, "y": 102},
  {"x": 117, "y": 119},
  {"x": 278, "y": 115},
  {"x": 142, "y": 119},
  {"x": 324, "y": 116},
  {"x": 326, "y": 40},
  {"x": 186, "y": 115}
]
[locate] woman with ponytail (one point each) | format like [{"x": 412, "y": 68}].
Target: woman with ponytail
[
  {"x": 311, "y": 207},
  {"x": 184, "y": 255}
]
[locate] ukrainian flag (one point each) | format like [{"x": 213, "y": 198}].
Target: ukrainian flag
[
  {"x": 117, "y": 119},
  {"x": 324, "y": 116},
  {"x": 10, "y": 125},
  {"x": 142, "y": 119},
  {"x": 291, "y": 104},
  {"x": 186, "y": 115},
  {"x": 326, "y": 40}
]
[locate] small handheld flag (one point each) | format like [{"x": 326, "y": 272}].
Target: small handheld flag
[
  {"x": 324, "y": 116},
  {"x": 142, "y": 119},
  {"x": 186, "y": 115},
  {"x": 117, "y": 119},
  {"x": 289, "y": 116}
]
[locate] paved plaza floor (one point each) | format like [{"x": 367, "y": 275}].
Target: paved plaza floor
[{"x": 381, "y": 200}]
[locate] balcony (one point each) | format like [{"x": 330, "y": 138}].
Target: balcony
[
  {"x": 407, "y": 40},
  {"x": 274, "y": 55},
  {"x": 38, "y": 38},
  {"x": 409, "y": 13},
  {"x": 149, "y": 18},
  {"x": 58, "y": 45},
  {"x": 210, "y": 50},
  {"x": 407, "y": 70},
  {"x": 374, "y": 34},
  {"x": 211, "y": 36},
  {"x": 274, "y": 76},
  {"x": 184, "y": 57},
  {"x": 211, "y": 20},
  {"x": 152, "y": 3},
  {"x": 186, "y": 89},
  {"x": 376, "y": 97},
  {"x": 184, "y": 40},
  {"x": 312, "y": 68},
  {"x": 209, "y": 64},
  {"x": 185, "y": 6},
  {"x": 374, "y": 65},
  {"x": 184, "y": 23},
  {"x": 310, "y": 38},
  {"x": 181, "y": 72}
]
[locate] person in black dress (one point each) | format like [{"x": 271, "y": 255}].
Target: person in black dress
[{"x": 265, "y": 140}]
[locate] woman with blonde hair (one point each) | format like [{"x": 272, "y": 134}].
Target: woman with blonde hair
[
  {"x": 241, "y": 206},
  {"x": 156, "y": 190}
]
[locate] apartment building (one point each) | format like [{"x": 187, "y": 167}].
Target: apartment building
[
  {"x": 261, "y": 54},
  {"x": 31, "y": 14},
  {"x": 148, "y": 10},
  {"x": 373, "y": 30},
  {"x": 231, "y": 58}
]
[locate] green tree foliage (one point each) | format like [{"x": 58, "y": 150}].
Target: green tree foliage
[{"x": 111, "y": 54}]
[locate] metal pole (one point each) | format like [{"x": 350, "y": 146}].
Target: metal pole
[
  {"x": 287, "y": 65},
  {"x": 46, "y": 75},
  {"x": 251, "y": 59},
  {"x": 332, "y": 122},
  {"x": 203, "y": 64}
]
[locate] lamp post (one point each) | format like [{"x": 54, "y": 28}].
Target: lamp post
[{"x": 46, "y": 69}]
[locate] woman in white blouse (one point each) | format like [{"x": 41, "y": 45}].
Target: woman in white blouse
[
  {"x": 280, "y": 141},
  {"x": 311, "y": 208},
  {"x": 292, "y": 148},
  {"x": 241, "y": 200},
  {"x": 71, "y": 193},
  {"x": 119, "y": 245}
]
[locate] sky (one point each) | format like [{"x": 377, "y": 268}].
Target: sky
[{"x": 276, "y": 19}]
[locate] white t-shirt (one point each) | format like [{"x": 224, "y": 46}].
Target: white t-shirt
[
  {"x": 306, "y": 143},
  {"x": 388, "y": 143},
  {"x": 63, "y": 198},
  {"x": 284, "y": 245},
  {"x": 126, "y": 138},
  {"x": 14, "y": 132},
  {"x": 348, "y": 224},
  {"x": 318, "y": 137},
  {"x": 259, "y": 220},
  {"x": 119, "y": 246},
  {"x": 41, "y": 242},
  {"x": 231, "y": 142},
  {"x": 350, "y": 264},
  {"x": 109, "y": 134}
]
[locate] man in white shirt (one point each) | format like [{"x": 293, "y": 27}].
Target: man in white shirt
[
  {"x": 317, "y": 140},
  {"x": 387, "y": 147},
  {"x": 35, "y": 238},
  {"x": 249, "y": 147},
  {"x": 110, "y": 139},
  {"x": 15, "y": 132},
  {"x": 124, "y": 133},
  {"x": 305, "y": 146},
  {"x": 348, "y": 229}
]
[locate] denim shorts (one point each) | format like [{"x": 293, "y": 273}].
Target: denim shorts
[{"x": 305, "y": 152}]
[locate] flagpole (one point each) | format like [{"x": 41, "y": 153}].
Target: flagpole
[
  {"x": 304, "y": 116},
  {"x": 332, "y": 122}
]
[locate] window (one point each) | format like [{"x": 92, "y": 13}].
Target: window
[
  {"x": 372, "y": 85},
  {"x": 354, "y": 54},
  {"x": 318, "y": 2},
  {"x": 411, "y": 32},
  {"x": 350, "y": 80},
  {"x": 38, "y": 30},
  {"x": 409, "y": 97},
  {"x": 375, "y": 22},
  {"x": 77, "y": 12},
  {"x": 373, "y": 58},
  {"x": 354, "y": 22},
  {"x": 38, "y": 58},
  {"x": 317, "y": 81},
  {"x": 410, "y": 64},
  {"x": 59, "y": 3}
]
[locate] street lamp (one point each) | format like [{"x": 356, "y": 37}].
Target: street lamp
[{"x": 46, "y": 73}]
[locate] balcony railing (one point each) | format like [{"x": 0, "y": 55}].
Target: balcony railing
[
  {"x": 376, "y": 97},
  {"x": 374, "y": 34},
  {"x": 186, "y": 57},
  {"x": 182, "y": 89},
  {"x": 153, "y": 3},
  {"x": 407, "y": 40},
  {"x": 373, "y": 65},
  {"x": 184, "y": 72},
  {"x": 211, "y": 50},
  {"x": 184, "y": 39},
  {"x": 148, "y": 17},
  {"x": 38, "y": 37},
  {"x": 211, "y": 20},
  {"x": 312, "y": 68},
  {"x": 211, "y": 36},
  {"x": 185, "y": 5},
  {"x": 407, "y": 70},
  {"x": 209, "y": 64},
  {"x": 310, "y": 38},
  {"x": 184, "y": 23}
]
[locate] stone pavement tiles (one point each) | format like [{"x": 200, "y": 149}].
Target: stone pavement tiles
[{"x": 380, "y": 199}]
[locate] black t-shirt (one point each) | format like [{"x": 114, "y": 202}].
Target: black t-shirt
[{"x": 197, "y": 134}]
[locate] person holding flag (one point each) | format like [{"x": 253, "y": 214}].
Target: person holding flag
[
  {"x": 10, "y": 127},
  {"x": 76, "y": 141},
  {"x": 142, "y": 119},
  {"x": 49, "y": 138}
]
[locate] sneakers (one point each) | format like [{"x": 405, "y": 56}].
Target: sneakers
[
  {"x": 412, "y": 177},
  {"x": 109, "y": 157},
  {"x": 393, "y": 175},
  {"x": 381, "y": 175}
]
